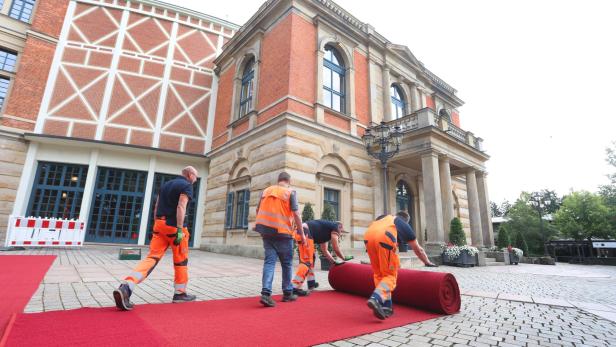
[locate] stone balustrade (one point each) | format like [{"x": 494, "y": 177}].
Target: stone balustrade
[{"x": 426, "y": 117}]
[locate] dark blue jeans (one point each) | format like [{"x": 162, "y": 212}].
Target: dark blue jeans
[{"x": 281, "y": 248}]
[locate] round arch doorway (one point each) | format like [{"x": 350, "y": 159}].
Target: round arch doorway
[{"x": 404, "y": 199}]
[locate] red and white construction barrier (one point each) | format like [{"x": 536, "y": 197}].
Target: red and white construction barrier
[{"x": 44, "y": 232}]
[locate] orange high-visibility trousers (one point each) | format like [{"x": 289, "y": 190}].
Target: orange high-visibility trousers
[
  {"x": 163, "y": 238},
  {"x": 384, "y": 261},
  {"x": 305, "y": 270}
]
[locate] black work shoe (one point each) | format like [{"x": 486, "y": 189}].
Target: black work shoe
[
  {"x": 377, "y": 308},
  {"x": 183, "y": 297},
  {"x": 267, "y": 301},
  {"x": 122, "y": 297},
  {"x": 288, "y": 297},
  {"x": 300, "y": 292},
  {"x": 314, "y": 286}
]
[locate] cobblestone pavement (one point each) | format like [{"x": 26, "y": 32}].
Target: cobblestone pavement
[{"x": 524, "y": 305}]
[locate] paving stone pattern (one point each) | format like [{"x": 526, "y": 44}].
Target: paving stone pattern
[{"x": 524, "y": 305}]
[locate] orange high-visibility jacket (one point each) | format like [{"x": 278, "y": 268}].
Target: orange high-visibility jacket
[
  {"x": 384, "y": 225},
  {"x": 275, "y": 209}
]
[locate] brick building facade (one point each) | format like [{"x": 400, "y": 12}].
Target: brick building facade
[{"x": 109, "y": 98}]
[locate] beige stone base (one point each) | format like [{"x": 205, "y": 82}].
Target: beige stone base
[{"x": 12, "y": 157}]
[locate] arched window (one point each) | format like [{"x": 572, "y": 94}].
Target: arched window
[
  {"x": 403, "y": 197},
  {"x": 398, "y": 104},
  {"x": 247, "y": 88},
  {"x": 333, "y": 80}
]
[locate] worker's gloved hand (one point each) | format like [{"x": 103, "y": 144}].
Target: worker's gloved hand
[
  {"x": 349, "y": 257},
  {"x": 338, "y": 262},
  {"x": 178, "y": 237}
]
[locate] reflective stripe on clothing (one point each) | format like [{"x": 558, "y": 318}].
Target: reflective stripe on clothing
[
  {"x": 381, "y": 244},
  {"x": 275, "y": 210}
]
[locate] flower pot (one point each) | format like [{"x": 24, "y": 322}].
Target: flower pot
[
  {"x": 463, "y": 260},
  {"x": 514, "y": 259},
  {"x": 325, "y": 264}
]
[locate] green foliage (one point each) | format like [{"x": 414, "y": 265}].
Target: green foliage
[
  {"x": 545, "y": 201},
  {"x": 503, "y": 237},
  {"x": 495, "y": 210},
  {"x": 520, "y": 242},
  {"x": 456, "y": 233},
  {"x": 500, "y": 210},
  {"x": 584, "y": 215},
  {"x": 307, "y": 212},
  {"x": 328, "y": 213}
]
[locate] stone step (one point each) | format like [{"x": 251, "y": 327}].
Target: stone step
[
  {"x": 494, "y": 263},
  {"x": 490, "y": 259}
]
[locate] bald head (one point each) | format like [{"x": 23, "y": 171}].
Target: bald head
[{"x": 190, "y": 173}]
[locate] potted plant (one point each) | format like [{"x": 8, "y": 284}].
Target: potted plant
[
  {"x": 328, "y": 214},
  {"x": 457, "y": 253},
  {"x": 514, "y": 254}
]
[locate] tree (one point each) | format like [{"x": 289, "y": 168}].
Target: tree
[
  {"x": 503, "y": 237},
  {"x": 307, "y": 212},
  {"x": 547, "y": 201},
  {"x": 524, "y": 219},
  {"x": 456, "y": 233},
  {"x": 328, "y": 213},
  {"x": 583, "y": 216},
  {"x": 520, "y": 242},
  {"x": 608, "y": 191},
  {"x": 496, "y": 212}
]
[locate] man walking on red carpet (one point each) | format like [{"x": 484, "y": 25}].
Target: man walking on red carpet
[
  {"x": 381, "y": 240},
  {"x": 318, "y": 232},
  {"x": 276, "y": 213},
  {"x": 169, "y": 231}
]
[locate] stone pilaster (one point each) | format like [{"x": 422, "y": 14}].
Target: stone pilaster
[
  {"x": 446, "y": 195},
  {"x": 473, "y": 207},
  {"x": 386, "y": 96},
  {"x": 433, "y": 204},
  {"x": 415, "y": 102},
  {"x": 484, "y": 206}
]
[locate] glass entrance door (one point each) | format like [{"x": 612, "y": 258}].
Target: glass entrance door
[{"x": 117, "y": 206}]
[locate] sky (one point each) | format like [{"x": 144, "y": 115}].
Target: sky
[{"x": 537, "y": 77}]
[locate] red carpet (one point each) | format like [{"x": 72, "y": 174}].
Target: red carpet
[
  {"x": 321, "y": 317},
  {"x": 432, "y": 291},
  {"x": 20, "y": 276}
]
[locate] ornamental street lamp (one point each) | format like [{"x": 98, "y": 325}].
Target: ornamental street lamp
[{"x": 383, "y": 142}]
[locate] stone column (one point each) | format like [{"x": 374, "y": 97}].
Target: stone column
[
  {"x": 433, "y": 205},
  {"x": 386, "y": 96},
  {"x": 446, "y": 195},
  {"x": 473, "y": 208},
  {"x": 484, "y": 206},
  {"x": 422, "y": 210},
  {"x": 415, "y": 102}
]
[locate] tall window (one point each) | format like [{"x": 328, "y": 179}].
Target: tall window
[
  {"x": 332, "y": 198},
  {"x": 247, "y": 88},
  {"x": 7, "y": 60},
  {"x": 403, "y": 197},
  {"x": 238, "y": 205},
  {"x": 4, "y": 88},
  {"x": 58, "y": 190},
  {"x": 22, "y": 10},
  {"x": 333, "y": 80},
  {"x": 397, "y": 102}
]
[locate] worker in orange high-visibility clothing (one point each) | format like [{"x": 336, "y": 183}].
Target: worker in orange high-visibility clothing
[
  {"x": 318, "y": 232},
  {"x": 276, "y": 213},
  {"x": 169, "y": 231},
  {"x": 381, "y": 240}
]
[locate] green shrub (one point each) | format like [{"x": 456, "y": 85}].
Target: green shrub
[
  {"x": 307, "y": 212},
  {"x": 503, "y": 237},
  {"x": 456, "y": 233}
]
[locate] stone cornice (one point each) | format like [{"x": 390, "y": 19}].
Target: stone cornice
[{"x": 42, "y": 37}]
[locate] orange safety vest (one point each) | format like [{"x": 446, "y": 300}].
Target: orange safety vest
[
  {"x": 384, "y": 225},
  {"x": 275, "y": 209}
]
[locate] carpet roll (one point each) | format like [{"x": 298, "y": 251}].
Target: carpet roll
[{"x": 432, "y": 291}]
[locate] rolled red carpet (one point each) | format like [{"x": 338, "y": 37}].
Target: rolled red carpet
[{"x": 432, "y": 291}]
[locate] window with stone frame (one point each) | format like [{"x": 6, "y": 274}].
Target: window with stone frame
[
  {"x": 237, "y": 209},
  {"x": 22, "y": 10},
  {"x": 4, "y": 89},
  {"x": 398, "y": 103},
  {"x": 332, "y": 197},
  {"x": 247, "y": 89},
  {"x": 8, "y": 59},
  {"x": 333, "y": 80}
]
